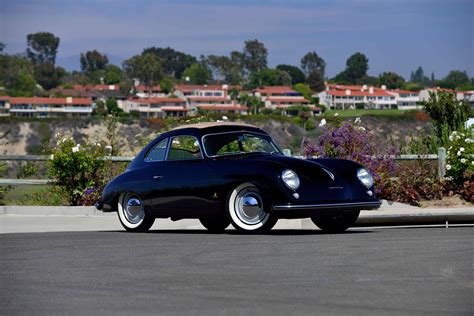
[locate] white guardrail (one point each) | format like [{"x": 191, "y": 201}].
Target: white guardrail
[{"x": 440, "y": 157}]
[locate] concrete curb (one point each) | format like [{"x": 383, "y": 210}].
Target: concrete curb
[{"x": 393, "y": 214}]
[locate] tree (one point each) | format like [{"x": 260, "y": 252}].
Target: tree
[
  {"x": 311, "y": 62},
  {"x": 92, "y": 61},
  {"x": 254, "y": 103},
  {"x": 112, "y": 107},
  {"x": 166, "y": 85},
  {"x": 112, "y": 74},
  {"x": 391, "y": 80},
  {"x": 454, "y": 79},
  {"x": 17, "y": 75},
  {"x": 42, "y": 47},
  {"x": 448, "y": 114},
  {"x": 231, "y": 69},
  {"x": 297, "y": 76},
  {"x": 269, "y": 77},
  {"x": 174, "y": 62},
  {"x": 145, "y": 67},
  {"x": 315, "y": 81},
  {"x": 2, "y": 47},
  {"x": 419, "y": 77},
  {"x": 198, "y": 74},
  {"x": 305, "y": 91},
  {"x": 357, "y": 66},
  {"x": 255, "y": 56},
  {"x": 48, "y": 76},
  {"x": 411, "y": 86},
  {"x": 356, "y": 70}
]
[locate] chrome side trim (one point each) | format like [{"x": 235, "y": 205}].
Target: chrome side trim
[{"x": 325, "y": 206}]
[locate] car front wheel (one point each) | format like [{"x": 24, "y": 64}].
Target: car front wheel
[
  {"x": 131, "y": 213},
  {"x": 246, "y": 210},
  {"x": 336, "y": 223}
]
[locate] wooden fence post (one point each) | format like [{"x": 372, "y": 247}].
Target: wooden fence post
[{"x": 441, "y": 162}]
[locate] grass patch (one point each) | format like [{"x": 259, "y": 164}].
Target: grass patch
[{"x": 24, "y": 194}]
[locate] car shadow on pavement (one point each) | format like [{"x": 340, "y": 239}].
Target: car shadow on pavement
[{"x": 277, "y": 232}]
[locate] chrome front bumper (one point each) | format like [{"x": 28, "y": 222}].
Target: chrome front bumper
[{"x": 329, "y": 206}]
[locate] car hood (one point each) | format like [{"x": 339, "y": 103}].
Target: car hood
[{"x": 329, "y": 169}]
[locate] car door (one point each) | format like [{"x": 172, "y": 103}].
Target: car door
[{"x": 181, "y": 180}]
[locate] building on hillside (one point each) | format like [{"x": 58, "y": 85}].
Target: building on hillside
[
  {"x": 143, "y": 91},
  {"x": 215, "y": 104},
  {"x": 224, "y": 108},
  {"x": 286, "y": 104},
  {"x": 50, "y": 107},
  {"x": 425, "y": 93},
  {"x": 215, "y": 91},
  {"x": 282, "y": 98},
  {"x": 93, "y": 94},
  {"x": 357, "y": 99},
  {"x": 275, "y": 91},
  {"x": 99, "y": 87},
  {"x": 209, "y": 98},
  {"x": 157, "y": 107},
  {"x": 466, "y": 95},
  {"x": 407, "y": 100},
  {"x": 4, "y": 106}
]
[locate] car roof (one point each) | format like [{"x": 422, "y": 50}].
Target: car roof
[{"x": 204, "y": 125}]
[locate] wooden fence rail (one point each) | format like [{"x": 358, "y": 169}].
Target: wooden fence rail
[{"x": 440, "y": 157}]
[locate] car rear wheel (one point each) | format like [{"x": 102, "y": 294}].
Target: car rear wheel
[
  {"x": 131, "y": 213},
  {"x": 336, "y": 223},
  {"x": 215, "y": 225},
  {"x": 246, "y": 210}
]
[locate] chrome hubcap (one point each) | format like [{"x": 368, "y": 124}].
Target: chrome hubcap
[
  {"x": 249, "y": 207},
  {"x": 133, "y": 208}
]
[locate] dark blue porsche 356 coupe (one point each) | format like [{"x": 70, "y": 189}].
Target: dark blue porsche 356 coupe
[{"x": 226, "y": 173}]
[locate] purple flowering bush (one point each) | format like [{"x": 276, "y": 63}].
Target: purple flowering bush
[{"x": 392, "y": 181}]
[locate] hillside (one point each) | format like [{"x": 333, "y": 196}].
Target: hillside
[{"x": 30, "y": 137}]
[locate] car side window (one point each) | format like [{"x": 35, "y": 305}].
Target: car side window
[
  {"x": 184, "y": 148},
  {"x": 158, "y": 152}
]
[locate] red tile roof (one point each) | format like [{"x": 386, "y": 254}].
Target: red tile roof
[
  {"x": 288, "y": 99},
  {"x": 352, "y": 87},
  {"x": 4, "y": 97},
  {"x": 275, "y": 89},
  {"x": 60, "y": 101},
  {"x": 223, "y": 107},
  {"x": 158, "y": 100}
]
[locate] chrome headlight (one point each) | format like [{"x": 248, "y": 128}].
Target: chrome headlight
[
  {"x": 365, "y": 177},
  {"x": 290, "y": 179}
]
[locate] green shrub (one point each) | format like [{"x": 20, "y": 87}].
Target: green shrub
[
  {"x": 80, "y": 170},
  {"x": 460, "y": 159}
]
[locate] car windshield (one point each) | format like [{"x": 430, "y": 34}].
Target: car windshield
[{"x": 238, "y": 143}]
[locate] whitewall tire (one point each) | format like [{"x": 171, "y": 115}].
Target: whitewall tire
[
  {"x": 131, "y": 213},
  {"x": 246, "y": 210}
]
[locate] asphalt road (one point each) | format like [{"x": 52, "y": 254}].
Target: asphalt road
[{"x": 377, "y": 271}]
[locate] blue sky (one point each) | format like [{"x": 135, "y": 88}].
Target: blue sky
[{"x": 395, "y": 35}]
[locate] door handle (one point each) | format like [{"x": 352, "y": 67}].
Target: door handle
[{"x": 157, "y": 177}]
